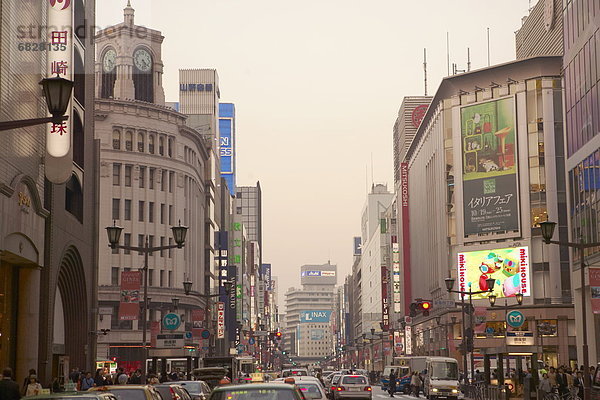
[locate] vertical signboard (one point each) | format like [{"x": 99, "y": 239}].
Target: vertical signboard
[
  {"x": 385, "y": 306},
  {"x": 220, "y": 320},
  {"x": 357, "y": 245},
  {"x": 396, "y": 295},
  {"x": 405, "y": 236},
  {"x": 154, "y": 331},
  {"x": 197, "y": 319},
  {"x": 489, "y": 166},
  {"x": 408, "y": 340},
  {"x": 230, "y": 315},
  {"x": 58, "y": 162},
  {"x": 129, "y": 306},
  {"x": 227, "y": 144},
  {"x": 594, "y": 276}
]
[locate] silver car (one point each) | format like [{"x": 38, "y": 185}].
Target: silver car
[{"x": 352, "y": 387}]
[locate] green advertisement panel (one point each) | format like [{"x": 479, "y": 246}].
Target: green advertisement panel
[{"x": 489, "y": 164}]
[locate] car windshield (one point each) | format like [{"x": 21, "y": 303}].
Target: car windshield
[
  {"x": 444, "y": 370},
  {"x": 255, "y": 394},
  {"x": 309, "y": 390},
  {"x": 128, "y": 394},
  {"x": 335, "y": 379},
  {"x": 192, "y": 387},
  {"x": 354, "y": 380}
]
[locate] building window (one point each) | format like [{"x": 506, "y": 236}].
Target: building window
[
  {"x": 162, "y": 243},
  {"x": 170, "y": 278},
  {"x": 141, "y": 211},
  {"x": 128, "y": 141},
  {"x": 127, "y": 242},
  {"x": 151, "y": 241},
  {"x": 116, "y": 207},
  {"x": 142, "y": 177},
  {"x": 161, "y": 275},
  {"x": 128, "y": 169},
  {"x": 114, "y": 276},
  {"x": 162, "y": 213},
  {"x": 151, "y": 211},
  {"x": 74, "y": 198},
  {"x": 171, "y": 181},
  {"x": 170, "y": 250},
  {"x": 140, "y": 243},
  {"x": 170, "y": 150},
  {"x": 127, "y": 213},
  {"x": 150, "y": 277},
  {"x": 163, "y": 181},
  {"x": 140, "y": 142},
  {"x": 170, "y": 215},
  {"x": 116, "y": 144},
  {"x": 151, "y": 179},
  {"x": 116, "y": 174},
  {"x": 151, "y": 144},
  {"x": 161, "y": 145}
]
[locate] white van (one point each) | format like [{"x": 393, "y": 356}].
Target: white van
[{"x": 440, "y": 374}]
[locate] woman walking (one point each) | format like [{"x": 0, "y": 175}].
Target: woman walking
[{"x": 544, "y": 388}]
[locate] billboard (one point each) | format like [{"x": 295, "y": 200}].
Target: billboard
[
  {"x": 227, "y": 144},
  {"x": 129, "y": 306},
  {"x": 315, "y": 316},
  {"x": 508, "y": 266},
  {"x": 317, "y": 334},
  {"x": 489, "y": 167}
]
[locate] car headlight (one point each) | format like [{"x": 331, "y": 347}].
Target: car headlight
[
  {"x": 454, "y": 390},
  {"x": 434, "y": 390}
]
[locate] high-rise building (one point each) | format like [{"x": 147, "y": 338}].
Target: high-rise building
[
  {"x": 542, "y": 31},
  {"x": 582, "y": 123},
  {"x": 308, "y": 325},
  {"x": 152, "y": 177},
  {"x": 48, "y": 254},
  {"x": 250, "y": 207}
]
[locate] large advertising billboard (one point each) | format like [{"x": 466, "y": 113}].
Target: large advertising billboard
[
  {"x": 129, "y": 306},
  {"x": 489, "y": 165},
  {"x": 315, "y": 316},
  {"x": 509, "y": 267}
]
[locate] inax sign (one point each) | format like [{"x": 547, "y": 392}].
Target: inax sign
[{"x": 315, "y": 316}]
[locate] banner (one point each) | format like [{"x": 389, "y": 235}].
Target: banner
[
  {"x": 385, "y": 305},
  {"x": 220, "y": 320},
  {"x": 405, "y": 237},
  {"x": 129, "y": 307},
  {"x": 489, "y": 166},
  {"x": 197, "y": 319},
  {"x": 154, "y": 331},
  {"x": 508, "y": 266},
  {"x": 594, "y": 276}
]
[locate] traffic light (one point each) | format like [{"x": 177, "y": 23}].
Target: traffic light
[
  {"x": 469, "y": 334},
  {"x": 413, "y": 309},
  {"x": 425, "y": 306},
  {"x": 278, "y": 335}
]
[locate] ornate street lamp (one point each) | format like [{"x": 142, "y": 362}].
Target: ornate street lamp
[
  {"x": 179, "y": 234},
  {"x": 547, "y": 230},
  {"x": 57, "y": 92},
  {"x": 114, "y": 234},
  {"x": 187, "y": 286}
]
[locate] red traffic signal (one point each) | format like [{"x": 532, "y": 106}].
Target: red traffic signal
[
  {"x": 425, "y": 306},
  {"x": 278, "y": 335}
]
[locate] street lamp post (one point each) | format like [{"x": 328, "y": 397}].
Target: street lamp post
[
  {"x": 57, "y": 92},
  {"x": 449, "y": 285},
  {"x": 114, "y": 234},
  {"x": 547, "y": 233}
]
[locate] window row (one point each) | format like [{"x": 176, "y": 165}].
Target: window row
[
  {"x": 141, "y": 243},
  {"x": 165, "y": 278},
  {"x": 123, "y": 174},
  {"x": 162, "y": 141},
  {"x": 143, "y": 208}
]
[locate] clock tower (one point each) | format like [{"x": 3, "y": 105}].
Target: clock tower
[{"x": 128, "y": 62}]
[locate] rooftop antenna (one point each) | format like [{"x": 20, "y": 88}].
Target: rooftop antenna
[
  {"x": 488, "y": 45},
  {"x": 448, "y": 51},
  {"x": 425, "y": 68},
  {"x": 468, "y": 59}
]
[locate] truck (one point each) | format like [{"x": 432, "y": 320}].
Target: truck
[{"x": 439, "y": 374}]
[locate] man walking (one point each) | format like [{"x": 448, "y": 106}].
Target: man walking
[
  {"x": 9, "y": 389},
  {"x": 392, "y": 384}
]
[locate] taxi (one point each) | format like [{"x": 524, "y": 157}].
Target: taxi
[
  {"x": 129, "y": 392},
  {"x": 72, "y": 396},
  {"x": 257, "y": 391}
]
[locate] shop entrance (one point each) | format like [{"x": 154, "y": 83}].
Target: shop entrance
[{"x": 8, "y": 314}]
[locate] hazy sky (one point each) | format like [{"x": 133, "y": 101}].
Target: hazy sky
[{"x": 317, "y": 86}]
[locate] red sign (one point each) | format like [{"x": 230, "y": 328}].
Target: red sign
[
  {"x": 197, "y": 318},
  {"x": 220, "y": 320},
  {"x": 154, "y": 331},
  {"x": 405, "y": 236},
  {"x": 418, "y": 114},
  {"x": 129, "y": 307},
  {"x": 594, "y": 274}
]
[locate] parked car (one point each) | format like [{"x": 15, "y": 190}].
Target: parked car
[
  {"x": 172, "y": 391},
  {"x": 199, "y": 390},
  {"x": 352, "y": 387}
]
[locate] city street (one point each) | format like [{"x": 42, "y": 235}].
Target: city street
[{"x": 380, "y": 394}]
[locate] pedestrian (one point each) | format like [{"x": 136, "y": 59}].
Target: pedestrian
[
  {"x": 562, "y": 382},
  {"x": 552, "y": 377},
  {"x": 392, "y": 383},
  {"x": 9, "y": 389},
  {"x": 136, "y": 377},
  {"x": 415, "y": 384},
  {"x": 87, "y": 382},
  {"x": 545, "y": 387},
  {"x": 33, "y": 387},
  {"x": 123, "y": 379},
  {"x": 26, "y": 381},
  {"x": 74, "y": 376},
  {"x": 527, "y": 385},
  {"x": 99, "y": 378},
  {"x": 153, "y": 380},
  {"x": 578, "y": 384}
]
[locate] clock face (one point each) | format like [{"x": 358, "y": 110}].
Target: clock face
[
  {"x": 108, "y": 63},
  {"x": 142, "y": 60}
]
